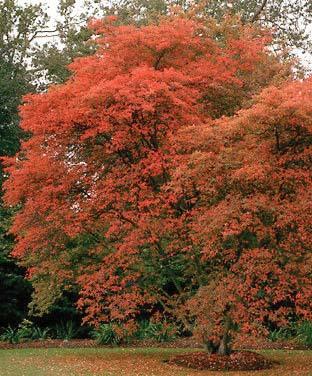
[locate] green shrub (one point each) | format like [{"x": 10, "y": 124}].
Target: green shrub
[
  {"x": 10, "y": 335},
  {"x": 158, "y": 331},
  {"x": 26, "y": 331},
  {"x": 40, "y": 333},
  {"x": 66, "y": 330},
  {"x": 304, "y": 333},
  {"x": 300, "y": 331},
  {"x": 281, "y": 334},
  {"x": 143, "y": 330},
  {"x": 106, "y": 334}
]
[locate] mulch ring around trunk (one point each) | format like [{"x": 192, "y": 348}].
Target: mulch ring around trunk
[{"x": 237, "y": 361}]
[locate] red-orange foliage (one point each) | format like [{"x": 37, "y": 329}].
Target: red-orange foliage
[
  {"x": 253, "y": 217},
  {"x": 120, "y": 165}
]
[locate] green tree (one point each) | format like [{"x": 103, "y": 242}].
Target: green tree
[
  {"x": 18, "y": 28},
  {"x": 14, "y": 290},
  {"x": 68, "y": 39},
  {"x": 28, "y": 65}
]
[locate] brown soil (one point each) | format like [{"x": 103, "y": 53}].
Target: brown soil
[
  {"x": 237, "y": 361},
  {"x": 87, "y": 343},
  {"x": 241, "y": 343}
]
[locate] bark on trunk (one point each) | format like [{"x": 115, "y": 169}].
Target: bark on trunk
[
  {"x": 224, "y": 347},
  {"x": 210, "y": 347}
]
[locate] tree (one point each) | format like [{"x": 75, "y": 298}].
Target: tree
[
  {"x": 252, "y": 218},
  {"x": 67, "y": 39},
  {"x": 15, "y": 292},
  {"x": 288, "y": 21},
  {"x": 288, "y": 18},
  {"x": 25, "y": 67},
  {"x": 19, "y": 27},
  {"x": 16, "y": 32},
  {"x": 25, "y": 27},
  {"x": 94, "y": 180}
]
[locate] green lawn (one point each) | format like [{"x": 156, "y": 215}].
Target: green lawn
[{"x": 130, "y": 362}]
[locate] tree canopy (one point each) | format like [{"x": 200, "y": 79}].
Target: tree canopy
[{"x": 172, "y": 164}]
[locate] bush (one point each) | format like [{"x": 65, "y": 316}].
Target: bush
[
  {"x": 304, "y": 333},
  {"x": 281, "y": 334},
  {"x": 300, "y": 331},
  {"x": 158, "y": 331},
  {"x": 143, "y": 330},
  {"x": 26, "y": 331},
  {"x": 106, "y": 334},
  {"x": 40, "y": 333},
  {"x": 66, "y": 330},
  {"x": 10, "y": 335}
]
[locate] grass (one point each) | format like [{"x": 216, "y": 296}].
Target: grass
[{"x": 130, "y": 362}]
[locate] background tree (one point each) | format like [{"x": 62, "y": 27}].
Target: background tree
[
  {"x": 289, "y": 19},
  {"x": 22, "y": 70},
  {"x": 18, "y": 26},
  {"x": 68, "y": 38}
]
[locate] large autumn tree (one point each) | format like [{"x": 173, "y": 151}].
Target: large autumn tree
[{"x": 116, "y": 196}]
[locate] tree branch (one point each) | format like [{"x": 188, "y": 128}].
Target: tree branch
[{"x": 259, "y": 11}]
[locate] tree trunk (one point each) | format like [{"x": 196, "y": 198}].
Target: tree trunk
[
  {"x": 224, "y": 347},
  {"x": 225, "y": 342},
  {"x": 210, "y": 347}
]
